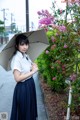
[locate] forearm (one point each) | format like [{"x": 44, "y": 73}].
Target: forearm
[{"x": 23, "y": 76}]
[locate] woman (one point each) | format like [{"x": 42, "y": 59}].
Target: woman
[{"x": 24, "y": 105}]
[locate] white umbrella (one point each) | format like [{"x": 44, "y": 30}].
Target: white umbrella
[{"x": 38, "y": 43}]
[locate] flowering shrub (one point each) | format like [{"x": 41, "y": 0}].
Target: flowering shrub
[
  {"x": 58, "y": 61},
  {"x": 47, "y": 18}
]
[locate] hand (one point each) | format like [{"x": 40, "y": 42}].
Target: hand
[{"x": 34, "y": 67}]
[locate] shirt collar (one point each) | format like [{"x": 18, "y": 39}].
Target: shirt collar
[{"x": 21, "y": 55}]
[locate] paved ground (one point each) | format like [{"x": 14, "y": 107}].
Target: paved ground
[{"x": 7, "y": 84}]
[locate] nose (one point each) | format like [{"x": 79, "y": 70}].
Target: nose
[{"x": 25, "y": 46}]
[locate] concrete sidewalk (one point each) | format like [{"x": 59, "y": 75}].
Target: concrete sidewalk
[
  {"x": 7, "y": 84},
  {"x": 42, "y": 112}
]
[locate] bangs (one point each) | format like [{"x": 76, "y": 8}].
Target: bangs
[{"x": 22, "y": 42}]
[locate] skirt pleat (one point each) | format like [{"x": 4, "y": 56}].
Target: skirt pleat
[{"x": 24, "y": 106}]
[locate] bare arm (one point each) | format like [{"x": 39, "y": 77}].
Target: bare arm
[{"x": 21, "y": 76}]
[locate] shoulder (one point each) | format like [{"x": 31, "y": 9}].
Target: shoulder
[
  {"x": 15, "y": 58},
  {"x": 15, "y": 63}
]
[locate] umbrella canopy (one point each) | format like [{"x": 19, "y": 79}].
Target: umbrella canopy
[{"x": 38, "y": 43}]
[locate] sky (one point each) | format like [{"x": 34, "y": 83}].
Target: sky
[{"x": 16, "y": 9}]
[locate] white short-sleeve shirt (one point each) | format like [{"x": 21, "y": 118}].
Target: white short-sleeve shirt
[{"x": 21, "y": 62}]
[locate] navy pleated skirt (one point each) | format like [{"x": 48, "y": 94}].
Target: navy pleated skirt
[{"x": 24, "y": 106}]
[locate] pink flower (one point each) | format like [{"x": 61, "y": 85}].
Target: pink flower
[
  {"x": 44, "y": 26},
  {"x": 63, "y": 66},
  {"x": 54, "y": 26},
  {"x": 47, "y": 51},
  {"x": 54, "y": 78},
  {"x": 73, "y": 77},
  {"x": 58, "y": 61},
  {"x": 53, "y": 39},
  {"x": 45, "y": 21},
  {"x": 61, "y": 11},
  {"x": 71, "y": 1},
  {"x": 39, "y": 13},
  {"x": 45, "y": 17},
  {"x": 53, "y": 47},
  {"x": 62, "y": 28},
  {"x": 65, "y": 46}
]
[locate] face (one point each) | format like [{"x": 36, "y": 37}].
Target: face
[{"x": 23, "y": 48}]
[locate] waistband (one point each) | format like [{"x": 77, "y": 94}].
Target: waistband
[{"x": 26, "y": 79}]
